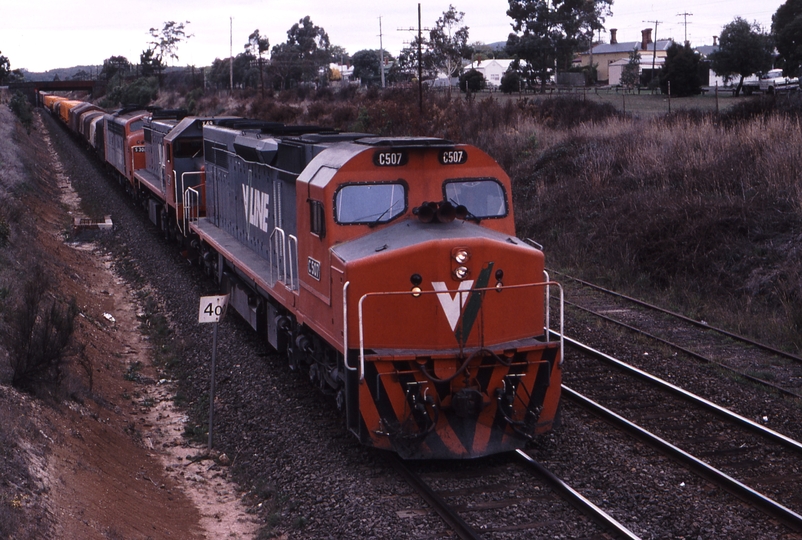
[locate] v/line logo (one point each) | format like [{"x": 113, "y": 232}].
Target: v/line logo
[{"x": 257, "y": 206}]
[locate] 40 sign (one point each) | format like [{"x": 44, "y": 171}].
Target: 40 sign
[{"x": 212, "y": 308}]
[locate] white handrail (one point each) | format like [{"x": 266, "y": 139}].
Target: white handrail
[
  {"x": 292, "y": 241},
  {"x": 345, "y": 327},
  {"x": 545, "y": 284},
  {"x": 183, "y": 226},
  {"x": 274, "y": 237}
]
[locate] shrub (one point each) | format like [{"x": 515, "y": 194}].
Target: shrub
[
  {"x": 471, "y": 81},
  {"x": 21, "y": 107},
  {"x": 37, "y": 336}
]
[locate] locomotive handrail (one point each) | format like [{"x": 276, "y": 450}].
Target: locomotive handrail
[
  {"x": 547, "y": 330},
  {"x": 274, "y": 238},
  {"x": 189, "y": 195},
  {"x": 293, "y": 240},
  {"x": 345, "y": 327},
  {"x": 183, "y": 226}
]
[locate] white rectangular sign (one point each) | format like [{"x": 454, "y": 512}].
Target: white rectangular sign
[{"x": 212, "y": 308}]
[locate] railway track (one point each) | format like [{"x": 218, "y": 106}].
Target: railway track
[
  {"x": 756, "y": 464},
  {"x": 501, "y": 496},
  {"x": 741, "y": 356}
]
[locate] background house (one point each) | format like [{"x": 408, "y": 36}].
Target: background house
[
  {"x": 492, "y": 70},
  {"x": 605, "y": 54}
]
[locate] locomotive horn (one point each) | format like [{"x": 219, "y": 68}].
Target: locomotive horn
[
  {"x": 425, "y": 212},
  {"x": 446, "y": 212}
]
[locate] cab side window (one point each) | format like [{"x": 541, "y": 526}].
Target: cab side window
[{"x": 317, "y": 219}]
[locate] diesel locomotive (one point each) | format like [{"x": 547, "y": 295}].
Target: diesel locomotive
[{"x": 385, "y": 268}]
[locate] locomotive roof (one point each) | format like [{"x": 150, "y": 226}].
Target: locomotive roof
[
  {"x": 410, "y": 232},
  {"x": 406, "y": 142},
  {"x": 192, "y": 126}
]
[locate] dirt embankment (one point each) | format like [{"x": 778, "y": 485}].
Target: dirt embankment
[{"x": 102, "y": 455}]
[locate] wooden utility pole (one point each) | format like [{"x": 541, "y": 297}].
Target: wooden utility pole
[
  {"x": 420, "y": 59},
  {"x": 231, "y": 53},
  {"x": 381, "y": 52},
  {"x": 686, "y": 23},
  {"x": 654, "y": 46}
]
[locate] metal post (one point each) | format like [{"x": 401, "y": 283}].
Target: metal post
[{"x": 211, "y": 387}]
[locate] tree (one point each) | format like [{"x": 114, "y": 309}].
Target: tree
[
  {"x": 786, "y": 28},
  {"x": 743, "y": 49},
  {"x": 244, "y": 72},
  {"x": 448, "y": 44},
  {"x": 150, "y": 63},
  {"x": 681, "y": 70},
  {"x": 551, "y": 32},
  {"x": 630, "y": 75},
  {"x": 511, "y": 82},
  {"x": 6, "y": 74},
  {"x": 257, "y": 46},
  {"x": 166, "y": 40},
  {"x": 302, "y": 56},
  {"x": 471, "y": 81},
  {"x": 367, "y": 65},
  {"x": 114, "y": 65}
]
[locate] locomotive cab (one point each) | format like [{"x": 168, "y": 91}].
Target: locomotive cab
[{"x": 443, "y": 323}]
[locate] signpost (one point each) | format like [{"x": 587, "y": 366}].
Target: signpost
[{"x": 212, "y": 309}]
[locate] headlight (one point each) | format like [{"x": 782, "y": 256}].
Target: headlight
[
  {"x": 461, "y": 272},
  {"x": 461, "y": 256}
]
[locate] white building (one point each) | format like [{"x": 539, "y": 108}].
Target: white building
[{"x": 492, "y": 70}]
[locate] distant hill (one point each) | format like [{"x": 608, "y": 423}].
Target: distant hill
[{"x": 63, "y": 74}]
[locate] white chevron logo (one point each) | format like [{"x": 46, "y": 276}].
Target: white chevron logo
[{"x": 452, "y": 305}]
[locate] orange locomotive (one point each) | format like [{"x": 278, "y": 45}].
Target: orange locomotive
[{"x": 390, "y": 270}]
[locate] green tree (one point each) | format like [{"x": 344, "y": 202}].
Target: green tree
[
  {"x": 743, "y": 49},
  {"x": 511, "y": 82},
  {"x": 367, "y": 65},
  {"x": 166, "y": 40},
  {"x": 448, "y": 42},
  {"x": 114, "y": 65},
  {"x": 245, "y": 75},
  {"x": 630, "y": 75},
  {"x": 303, "y": 55},
  {"x": 150, "y": 63},
  {"x": 257, "y": 46},
  {"x": 786, "y": 28},
  {"x": 548, "y": 33},
  {"x": 7, "y": 75},
  {"x": 471, "y": 81},
  {"x": 681, "y": 70}
]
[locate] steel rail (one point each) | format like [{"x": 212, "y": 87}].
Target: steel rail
[
  {"x": 698, "y": 400},
  {"x": 685, "y": 318},
  {"x": 742, "y": 491},
  {"x": 689, "y": 352},
  {"x": 460, "y": 527},
  {"x": 577, "y": 499}
]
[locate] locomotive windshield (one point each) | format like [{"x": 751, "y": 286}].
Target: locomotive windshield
[
  {"x": 483, "y": 197},
  {"x": 369, "y": 203}
]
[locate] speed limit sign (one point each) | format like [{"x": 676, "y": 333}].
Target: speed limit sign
[{"x": 212, "y": 308}]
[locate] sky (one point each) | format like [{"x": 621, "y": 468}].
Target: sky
[{"x": 39, "y": 35}]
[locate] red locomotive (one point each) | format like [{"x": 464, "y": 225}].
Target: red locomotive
[{"x": 386, "y": 268}]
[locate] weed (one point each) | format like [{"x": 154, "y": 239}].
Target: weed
[{"x": 133, "y": 372}]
